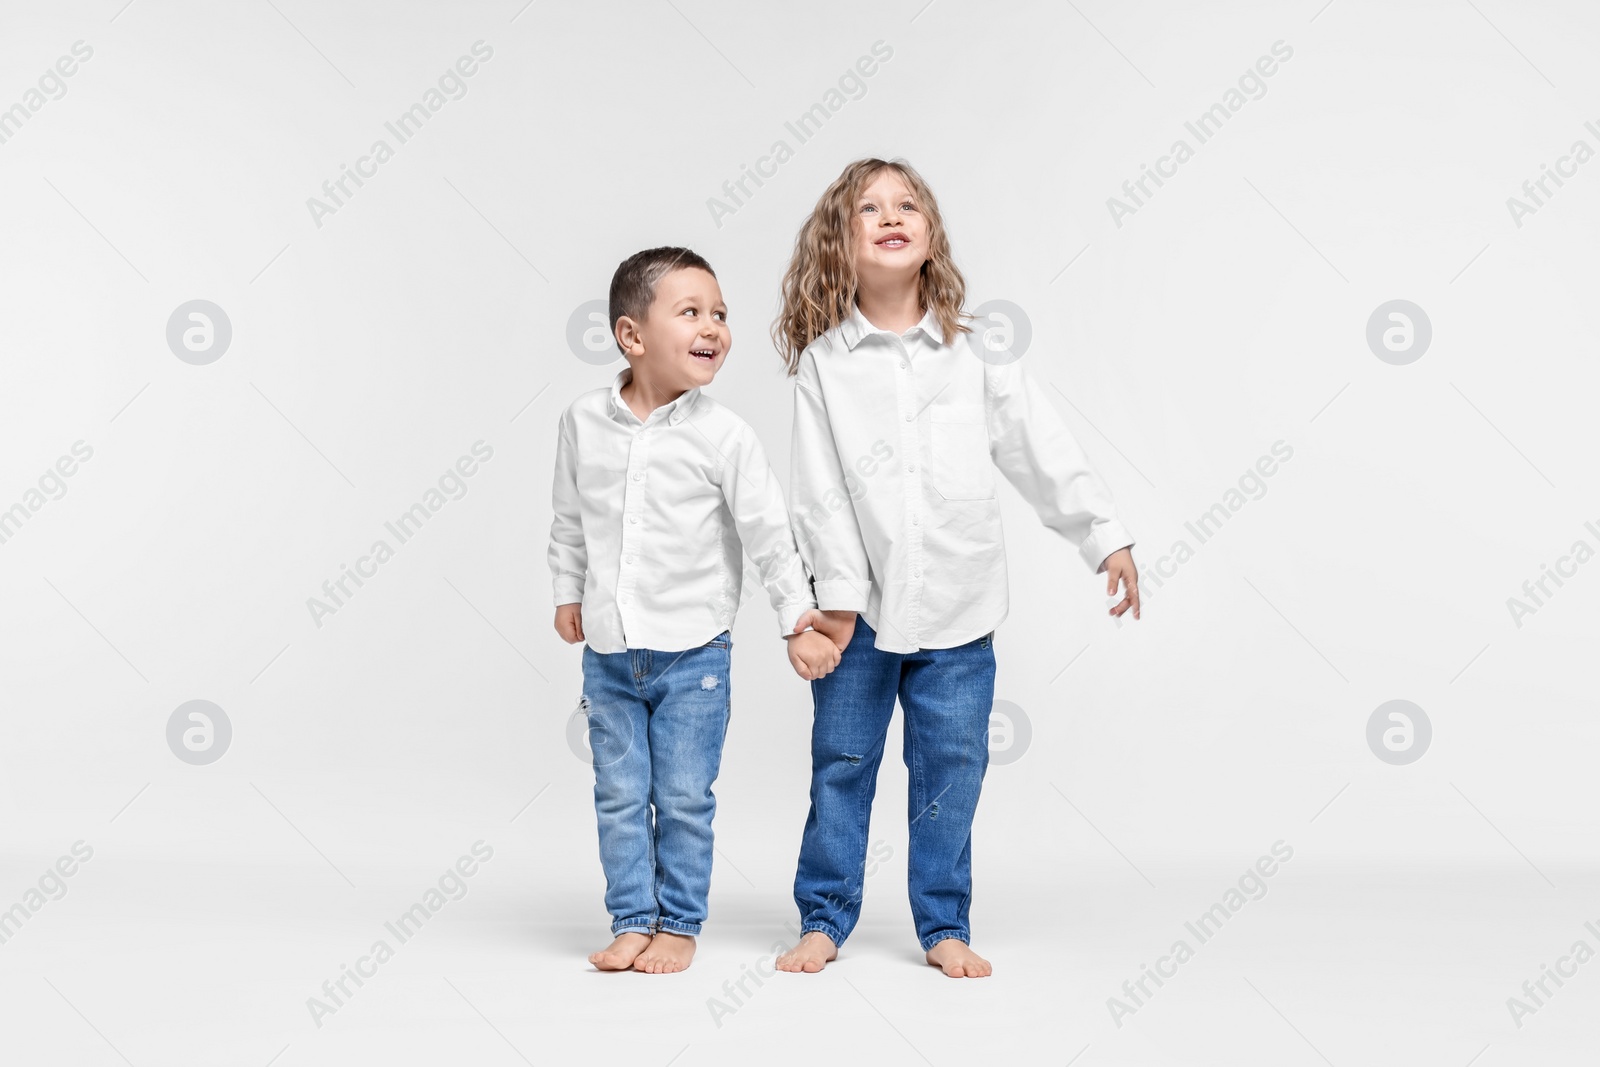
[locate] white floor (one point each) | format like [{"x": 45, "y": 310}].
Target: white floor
[{"x": 184, "y": 962}]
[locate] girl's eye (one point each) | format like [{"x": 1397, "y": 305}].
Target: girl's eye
[
  {"x": 869, "y": 207},
  {"x": 908, "y": 206}
]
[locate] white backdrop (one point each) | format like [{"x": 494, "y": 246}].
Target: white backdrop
[{"x": 376, "y": 335}]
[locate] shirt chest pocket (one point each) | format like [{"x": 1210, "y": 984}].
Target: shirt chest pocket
[
  {"x": 597, "y": 474},
  {"x": 959, "y": 467}
]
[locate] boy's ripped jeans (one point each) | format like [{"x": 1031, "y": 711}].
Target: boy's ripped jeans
[{"x": 656, "y": 725}]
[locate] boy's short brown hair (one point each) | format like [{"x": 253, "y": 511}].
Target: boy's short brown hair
[{"x": 633, "y": 286}]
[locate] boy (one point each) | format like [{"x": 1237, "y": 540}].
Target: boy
[{"x": 659, "y": 490}]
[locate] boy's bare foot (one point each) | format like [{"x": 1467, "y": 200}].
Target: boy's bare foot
[
  {"x": 620, "y": 954},
  {"x": 957, "y": 960},
  {"x": 814, "y": 951},
  {"x": 668, "y": 952}
]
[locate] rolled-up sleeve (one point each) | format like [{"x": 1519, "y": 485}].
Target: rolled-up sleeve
[
  {"x": 755, "y": 501},
  {"x": 1038, "y": 454},
  {"x": 569, "y": 556},
  {"x": 820, "y": 503}
]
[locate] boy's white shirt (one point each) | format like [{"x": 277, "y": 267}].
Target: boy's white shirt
[
  {"x": 652, "y": 520},
  {"x": 915, "y": 544}
]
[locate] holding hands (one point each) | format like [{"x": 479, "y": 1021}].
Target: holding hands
[{"x": 815, "y": 653}]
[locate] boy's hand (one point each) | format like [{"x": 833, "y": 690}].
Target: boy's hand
[
  {"x": 569, "y": 623},
  {"x": 837, "y": 626},
  {"x": 812, "y": 654},
  {"x": 1119, "y": 567}
]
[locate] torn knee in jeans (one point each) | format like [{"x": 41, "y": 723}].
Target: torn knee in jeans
[{"x": 852, "y": 760}]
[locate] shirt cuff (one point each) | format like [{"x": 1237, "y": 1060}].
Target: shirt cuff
[
  {"x": 842, "y": 594},
  {"x": 789, "y": 615},
  {"x": 1104, "y": 539},
  {"x": 569, "y": 589}
]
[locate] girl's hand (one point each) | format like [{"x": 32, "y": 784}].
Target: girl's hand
[
  {"x": 1119, "y": 567},
  {"x": 836, "y": 626},
  {"x": 569, "y": 623},
  {"x": 812, "y": 655}
]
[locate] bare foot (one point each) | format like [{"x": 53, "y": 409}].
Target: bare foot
[
  {"x": 957, "y": 960},
  {"x": 815, "y": 950},
  {"x": 620, "y": 954},
  {"x": 668, "y": 952}
]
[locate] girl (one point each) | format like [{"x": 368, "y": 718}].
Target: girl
[{"x": 898, "y": 428}]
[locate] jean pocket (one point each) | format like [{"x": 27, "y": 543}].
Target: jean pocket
[{"x": 724, "y": 640}]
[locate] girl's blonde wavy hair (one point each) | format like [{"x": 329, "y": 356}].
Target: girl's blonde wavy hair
[{"x": 819, "y": 288}]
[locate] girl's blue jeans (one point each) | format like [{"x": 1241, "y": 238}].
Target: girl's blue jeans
[
  {"x": 946, "y": 695},
  {"x": 656, "y": 725}
]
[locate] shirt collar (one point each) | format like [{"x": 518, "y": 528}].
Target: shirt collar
[
  {"x": 674, "y": 411},
  {"x": 856, "y": 327}
]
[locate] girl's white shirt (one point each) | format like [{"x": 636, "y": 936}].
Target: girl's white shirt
[{"x": 892, "y": 488}]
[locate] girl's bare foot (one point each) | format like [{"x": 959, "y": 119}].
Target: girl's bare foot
[
  {"x": 815, "y": 950},
  {"x": 957, "y": 960},
  {"x": 620, "y": 954},
  {"x": 667, "y": 953}
]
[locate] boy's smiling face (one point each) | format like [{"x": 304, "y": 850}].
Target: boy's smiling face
[{"x": 684, "y": 338}]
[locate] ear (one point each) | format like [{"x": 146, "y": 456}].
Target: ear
[{"x": 629, "y": 336}]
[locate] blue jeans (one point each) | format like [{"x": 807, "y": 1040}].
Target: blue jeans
[
  {"x": 946, "y": 695},
  {"x": 656, "y": 724}
]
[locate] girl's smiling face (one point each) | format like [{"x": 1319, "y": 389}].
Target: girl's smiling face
[{"x": 889, "y": 231}]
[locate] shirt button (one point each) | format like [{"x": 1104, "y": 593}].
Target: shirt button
[
  {"x": 637, "y": 476},
  {"x": 633, "y": 518},
  {"x": 911, "y": 468},
  {"x": 909, "y": 416},
  {"x": 916, "y": 574},
  {"x": 904, "y": 364}
]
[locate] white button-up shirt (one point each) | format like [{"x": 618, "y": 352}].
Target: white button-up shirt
[
  {"x": 652, "y": 520},
  {"x": 892, "y": 487}
]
